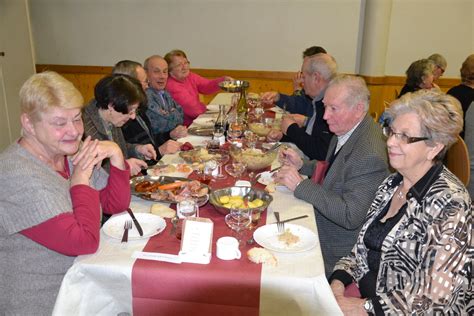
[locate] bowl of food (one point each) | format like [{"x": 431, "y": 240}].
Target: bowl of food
[
  {"x": 198, "y": 154},
  {"x": 253, "y": 158},
  {"x": 234, "y": 85},
  {"x": 239, "y": 197},
  {"x": 261, "y": 129}
]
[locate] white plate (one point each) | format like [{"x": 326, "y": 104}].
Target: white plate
[
  {"x": 265, "y": 178},
  {"x": 205, "y": 120},
  {"x": 150, "y": 223},
  {"x": 267, "y": 237},
  {"x": 213, "y": 107}
]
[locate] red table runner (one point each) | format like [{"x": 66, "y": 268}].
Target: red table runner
[{"x": 219, "y": 288}]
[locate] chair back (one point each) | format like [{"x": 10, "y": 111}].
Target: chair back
[{"x": 457, "y": 161}]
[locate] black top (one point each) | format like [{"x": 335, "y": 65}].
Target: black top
[{"x": 465, "y": 95}]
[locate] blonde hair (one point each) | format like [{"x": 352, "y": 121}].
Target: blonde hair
[
  {"x": 440, "y": 116},
  {"x": 46, "y": 90}
]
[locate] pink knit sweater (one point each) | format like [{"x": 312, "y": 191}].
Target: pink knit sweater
[{"x": 186, "y": 93}]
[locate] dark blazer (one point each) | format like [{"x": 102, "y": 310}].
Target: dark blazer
[
  {"x": 316, "y": 145},
  {"x": 342, "y": 201}
]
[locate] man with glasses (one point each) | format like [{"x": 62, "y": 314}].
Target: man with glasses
[
  {"x": 440, "y": 65},
  {"x": 341, "y": 188}
]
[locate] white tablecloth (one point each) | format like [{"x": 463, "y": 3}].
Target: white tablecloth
[{"x": 100, "y": 284}]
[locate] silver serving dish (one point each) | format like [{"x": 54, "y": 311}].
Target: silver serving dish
[
  {"x": 200, "y": 200},
  {"x": 234, "y": 85},
  {"x": 239, "y": 191},
  {"x": 201, "y": 131}
]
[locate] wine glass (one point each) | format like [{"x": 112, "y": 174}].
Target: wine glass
[
  {"x": 258, "y": 112},
  {"x": 221, "y": 159},
  {"x": 235, "y": 169},
  {"x": 250, "y": 139},
  {"x": 184, "y": 210},
  {"x": 238, "y": 220}
]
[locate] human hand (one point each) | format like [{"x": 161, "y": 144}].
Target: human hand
[
  {"x": 286, "y": 121},
  {"x": 84, "y": 161},
  {"x": 351, "y": 305},
  {"x": 170, "y": 147},
  {"x": 147, "y": 151},
  {"x": 136, "y": 165},
  {"x": 289, "y": 176},
  {"x": 274, "y": 135},
  {"x": 269, "y": 97},
  {"x": 298, "y": 118},
  {"x": 290, "y": 157},
  {"x": 179, "y": 131},
  {"x": 298, "y": 81}
]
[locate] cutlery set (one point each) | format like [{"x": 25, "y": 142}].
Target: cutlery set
[{"x": 128, "y": 225}]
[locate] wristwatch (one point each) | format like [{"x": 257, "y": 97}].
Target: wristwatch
[{"x": 369, "y": 307}]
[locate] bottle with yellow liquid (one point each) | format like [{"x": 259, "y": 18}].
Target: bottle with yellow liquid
[{"x": 242, "y": 105}]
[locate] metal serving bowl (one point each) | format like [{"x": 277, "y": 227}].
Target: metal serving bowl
[
  {"x": 239, "y": 191},
  {"x": 234, "y": 85}
]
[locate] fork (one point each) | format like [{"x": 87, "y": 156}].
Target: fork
[
  {"x": 126, "y": 227},
  {"x": 280, "y": 225}
]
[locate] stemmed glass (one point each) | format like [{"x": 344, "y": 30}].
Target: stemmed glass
[
  {"x": 235, "y": 131},
  {"x": 235, "y": 169},
  {"x": 221, "y": 158},
  {"x": 238, "y": 220},
  {"x": 250, "y": 139}
]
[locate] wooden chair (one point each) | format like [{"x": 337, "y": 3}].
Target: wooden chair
[{"x": 457, "y": 160}]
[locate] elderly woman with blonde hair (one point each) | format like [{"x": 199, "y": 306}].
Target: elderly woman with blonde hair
[
  {"x": 53, "y": 194},
  {"x": 414, "y": 254}
]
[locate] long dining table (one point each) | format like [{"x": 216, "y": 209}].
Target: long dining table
[{"x": 113, "y": 282}]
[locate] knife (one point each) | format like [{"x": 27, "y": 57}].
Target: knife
[
  {"x": 137, "y": 224},
  {"x": 293, "y": 219}
]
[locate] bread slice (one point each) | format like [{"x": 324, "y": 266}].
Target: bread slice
[
  {"x": 162, "y": 210},
  {"x": 261, "y": 255}
]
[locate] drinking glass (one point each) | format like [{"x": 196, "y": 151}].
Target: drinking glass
[
  {"x": 235, "y": 169},
  {"x": 185, "y": 209},
  {"x": 250, "y": 139},
  {"x": 258, "y": 112},
  {"x": 235, "y": 131},
  {"x": 238, "y": 220},
  {"x": 221, "y": 159}
]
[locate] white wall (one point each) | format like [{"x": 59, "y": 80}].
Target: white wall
[
  {"x": 219, "y": 34},
  {"x": 246, "y": 34},
  {"x": 421, "y": 27}
]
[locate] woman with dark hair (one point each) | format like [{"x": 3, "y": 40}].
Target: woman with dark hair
[
  {"x": 419, "y": 76},
  {"x": 117, "y": 98}
]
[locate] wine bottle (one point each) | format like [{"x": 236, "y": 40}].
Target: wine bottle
[
  {"x": 242, "y": 105},
  {"x": 219, "y": 126}
]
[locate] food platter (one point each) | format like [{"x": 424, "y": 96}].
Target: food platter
[
  {"x": 196, "y": 190},
  {"x": 171, "y": 170}
]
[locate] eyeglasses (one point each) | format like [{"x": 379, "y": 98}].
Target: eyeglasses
[
  {"x": 405, "y": 139},
  {"x": 441, "y": 68}
]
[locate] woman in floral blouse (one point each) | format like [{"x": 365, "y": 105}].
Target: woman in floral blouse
[{"x": 414, "y": 254}]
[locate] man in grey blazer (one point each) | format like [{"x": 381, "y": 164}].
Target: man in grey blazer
[{"x": 357, "y": 161}]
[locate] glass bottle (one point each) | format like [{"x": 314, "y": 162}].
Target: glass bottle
[
  {"x": 220, "y": 126},
  {"x": 242, "y": 105}
]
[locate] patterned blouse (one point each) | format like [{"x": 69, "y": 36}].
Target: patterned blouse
[
  {"x": 163, "y": 111},
  {"x": 426, "y": 260}
]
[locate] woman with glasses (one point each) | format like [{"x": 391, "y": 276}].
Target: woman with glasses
[
  {"x": 414, "y": 254},
  {"x": 185, "y": 86},
  {"x": 117, "y": 98}
]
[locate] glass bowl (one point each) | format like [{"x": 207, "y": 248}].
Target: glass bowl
[{"x": 253, "y": 158}]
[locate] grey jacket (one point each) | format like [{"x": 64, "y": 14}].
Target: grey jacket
[{"x": 342, "y": 201}]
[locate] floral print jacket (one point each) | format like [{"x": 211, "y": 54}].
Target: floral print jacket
[{"x": 426, "y": 265}]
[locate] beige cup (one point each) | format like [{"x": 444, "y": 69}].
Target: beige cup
[{"x": 228, "y": 248}]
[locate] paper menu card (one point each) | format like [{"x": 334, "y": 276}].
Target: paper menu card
[{"x": 196, "y": 240}]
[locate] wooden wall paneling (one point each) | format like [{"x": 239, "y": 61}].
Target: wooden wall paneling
[{"x": 383, "y": 89}]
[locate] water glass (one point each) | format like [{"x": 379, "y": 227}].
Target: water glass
[
  {"x": 238, "y": 220},
  {"x": 187, "y": 208}
]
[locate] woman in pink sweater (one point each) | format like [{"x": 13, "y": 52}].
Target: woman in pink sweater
[{"x": 185, "y": 86}]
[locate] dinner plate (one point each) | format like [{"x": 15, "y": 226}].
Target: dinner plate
[
  {"x": 267, "y": 237},
  {"x": 201, "y": 131},
  {"x": 150, "y": 223},
  {"x": 205, "y": 120}
]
